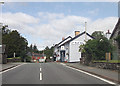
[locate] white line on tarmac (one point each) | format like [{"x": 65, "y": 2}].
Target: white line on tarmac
[
  {"x": 40, "y": 76},
  {"x": 40, "y": 69},
  {"x": 62, "y": 64},
  {"x": 92, "y": 75},
  {"x": 12, "y": 68}
]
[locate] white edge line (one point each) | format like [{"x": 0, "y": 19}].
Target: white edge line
[
  {"x": 92, "y": 75},
  {"x": 11, "y": 68},
  {"x": 40, "y": 76},
  {"x": 105, "y": 80}
]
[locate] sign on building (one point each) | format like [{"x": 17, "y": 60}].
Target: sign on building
[{"x": 62, "y": 48}]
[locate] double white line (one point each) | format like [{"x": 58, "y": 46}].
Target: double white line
[{"x": 40, "y": 74}]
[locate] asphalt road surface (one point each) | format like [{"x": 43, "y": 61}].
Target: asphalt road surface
[{"x": 47, "y": 73}]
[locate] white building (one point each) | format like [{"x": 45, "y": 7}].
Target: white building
[{"x": 68, "y": 49}]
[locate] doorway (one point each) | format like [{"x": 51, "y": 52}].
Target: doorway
[{"x": 62, "y": 55}]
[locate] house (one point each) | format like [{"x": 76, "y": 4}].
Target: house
[
  {"x": 57, "y": 49},
  {"x": 115, "y": 33},
  {"x": 68, "y": 49}
]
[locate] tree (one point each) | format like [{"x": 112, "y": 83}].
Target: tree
[
  {"x": 35, "y": 50},
  {"x": 14, "y": 43},
  {"x": 98, "y": 34},
  {"x": 48, "y": 52},
  {"x": 95, "y": 49}
]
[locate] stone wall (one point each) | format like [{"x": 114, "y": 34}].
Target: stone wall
[
  {"x": 13, "y": 60},
  {"x": 104, "y": 65}
]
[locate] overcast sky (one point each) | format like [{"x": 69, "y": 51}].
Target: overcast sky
[{"x": 45, "y": 23}]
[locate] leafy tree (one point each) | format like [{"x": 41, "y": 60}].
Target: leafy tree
[
  {"x": 31, "y": 47},
  {"x": 98, "y": 34},
  {"x": 48, "y": 52},
  {"x": 35, "y": 50},
  {"x": 95, "y": 49},
  {"x": 14, "y": 43}
]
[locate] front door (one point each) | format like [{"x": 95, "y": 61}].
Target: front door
[{"x": 62, "y": 56}]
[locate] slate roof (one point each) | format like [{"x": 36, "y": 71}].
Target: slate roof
[
  {"x": 63, "y": 40},
  {"x": 115, "y": 29},
  {"x": 79, "y": 36}
]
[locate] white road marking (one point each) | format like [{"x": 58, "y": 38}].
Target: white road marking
[
  {"x": 40, "y": 76},
  {"x": 62, "y": 64},
  {"x": 92, "y": 75},
  {"x": 40, "y": 69},
  {"x": 12, "y": 68}
]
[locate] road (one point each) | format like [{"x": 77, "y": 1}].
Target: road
[{"x": 47, "y": 73}]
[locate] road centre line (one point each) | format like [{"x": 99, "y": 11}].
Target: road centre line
[
  {"x": 40, "y": 76},
  {"x": 40, "y": 69}
]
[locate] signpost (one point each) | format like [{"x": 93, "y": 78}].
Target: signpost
[{"x": 108, "y": 56}]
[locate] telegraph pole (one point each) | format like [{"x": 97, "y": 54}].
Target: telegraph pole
[
  {"x": 1, "y": 11},
  {"x": 85, "y": 31}
]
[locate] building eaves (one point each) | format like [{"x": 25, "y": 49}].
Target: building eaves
[
  {"x": 115, "y": 29},
  {"x": 63, "y": 40},
  {"x": 78, "y": 36}
]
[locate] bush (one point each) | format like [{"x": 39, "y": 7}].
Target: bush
[
  {"x": 95, "y": 49},
  {"x": 28, "y": 58}
]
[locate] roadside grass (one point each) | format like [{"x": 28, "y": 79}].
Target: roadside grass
[
  {"x": 9, "y": 58},
  {"x": 111, "y": 61},
  {"x": 15, "y": 58}
]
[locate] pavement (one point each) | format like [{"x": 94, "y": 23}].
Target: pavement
[
  {"x": 4, "y": 67},
  {"x": 104, "y": 73},
  {"x": 48, "y": 73}
]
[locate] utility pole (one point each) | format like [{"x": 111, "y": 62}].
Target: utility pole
[
  {"x": 1, "y": 11},
  {"x": 85, "y": 31}
]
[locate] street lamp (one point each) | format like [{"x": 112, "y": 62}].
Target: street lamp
[{"x": 108, "y": 34}]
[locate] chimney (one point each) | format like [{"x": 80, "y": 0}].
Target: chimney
[
  {"x": 77, "y": 33},
  {"x": 63, "y": 38}
]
